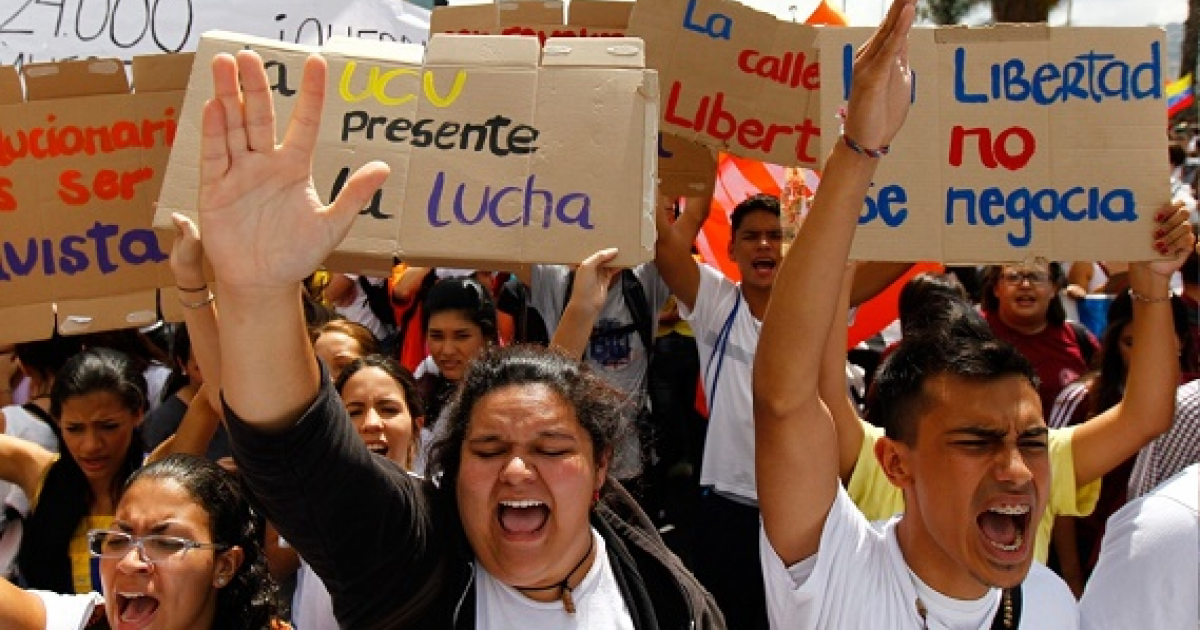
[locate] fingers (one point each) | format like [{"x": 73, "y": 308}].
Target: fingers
[
  {"x": 357, "y": 193},
  {"x": 599, "y": 258},
  {"x": 228, "y": 92},
  {"x": 214, "y": 153},
  {"x": 259, "y": 108},
  {"x": 185, "y": 226},
  {"x": 889, "y": 37},
  {"x": 306, "y": 117}
]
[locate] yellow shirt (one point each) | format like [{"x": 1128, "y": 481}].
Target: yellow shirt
[
  {"x": 85, "y": 568},
  {"x": 878, "y": 499}
]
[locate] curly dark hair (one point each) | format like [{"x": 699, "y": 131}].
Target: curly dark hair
[
  {"x": 248, "y": 602},
  {"x": 602, "y": 411}
]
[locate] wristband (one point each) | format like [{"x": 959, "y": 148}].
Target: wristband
[
  {"x": 1147, "y": 299},
  {"x": 202, "y": 303},
  {"x": 860, "y": 149}
]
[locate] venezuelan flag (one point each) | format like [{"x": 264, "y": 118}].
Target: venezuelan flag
[{"x": 1179, "y": 95}]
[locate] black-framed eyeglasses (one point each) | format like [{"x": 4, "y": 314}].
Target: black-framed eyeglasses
[
  {"x": 1017, "y": 278},
  {"x": 106, "y": 543}
]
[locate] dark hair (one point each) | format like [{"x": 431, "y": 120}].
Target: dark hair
[
  {"x": 360, "y": 334},
  {"x": 602, "y": 411},
  {"x": 248, "y": 601},
  {"x": 66, "y": 496},
  {"x": 1056, "y": 315},
  {"x": 1107, "y": 382},
  {"x": 465, "y": 295},
  {"x": 961, "y": 348},
  {"x": 398, "y": 373},
  {"x": 1191, "y": 267},
  {"x": 754, "y": 203},
  {"x": 1176, "y": 153},
  {"x": 45, "y": 358},
  {"x": 181, "y": 349},
  {"x": 929, "y": 298}
]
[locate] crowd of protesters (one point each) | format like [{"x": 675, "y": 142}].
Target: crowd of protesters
[{"x": 588, "y": 447}]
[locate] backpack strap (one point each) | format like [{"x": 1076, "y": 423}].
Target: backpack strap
[
  {"x": 42, "y": 414},
  {"x": 1084, "y": 341}
]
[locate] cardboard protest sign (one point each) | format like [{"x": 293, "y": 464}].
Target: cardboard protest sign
[
  {"x": 81, "y": 163},
  {"x": 500, "y": 153},
  {"x": 1022, "y": 142},
  {"x": 734, "y": 78},
  {"x": 684, "y": 168}
]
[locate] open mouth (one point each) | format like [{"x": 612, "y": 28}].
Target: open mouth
[
  {"x": 92, "y": 465},
  {"x": 380, "y": 448},
  {"x": 764, "y": 266},
  {"x": 1005, "y": 526},
  {"x": 525, "y": 517},
  {"x": 136, "y": 610}
]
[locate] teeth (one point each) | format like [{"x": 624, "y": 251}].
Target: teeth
[
  {"x": 1013, "y": 547},
  {"x": 131, "y": 595},
  {"x": 521, "y": 504},
  {"x": 1011, "y": 510}
]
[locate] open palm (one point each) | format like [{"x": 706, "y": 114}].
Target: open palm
[{"x": 264, "y": 224}]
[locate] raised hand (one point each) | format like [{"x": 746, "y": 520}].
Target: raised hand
[
  {"x": 588, "y": 293},
  {"x": 264, "y": 223},
  {"x": 1174, "y": 237},
  {"x": 187, "y": 254},
  {"x": 882, "y": 90}
]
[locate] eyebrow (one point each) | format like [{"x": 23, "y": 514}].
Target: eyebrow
[
  {"x": 981, "y": 432},
  {"x": 549, "y": 434},
  {"x": 156, "y": 529}
]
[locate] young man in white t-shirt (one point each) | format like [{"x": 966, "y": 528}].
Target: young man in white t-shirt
[
  {"x": 966, "y": 441},
  {"x": 972, "y": 460}
]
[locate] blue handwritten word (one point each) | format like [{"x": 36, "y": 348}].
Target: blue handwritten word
[
  {"x": 848, "y": 74},
  {"x": 489, "y": 206},
  {"x": 663, "y": 153},
  {"x": 1088, "y": 76},
  {"x": 1023, "y": 205},
  {"x": 881, "y": 206},
  {"x": 71, "y": 254},
  {"x": 718, "y": 25}
]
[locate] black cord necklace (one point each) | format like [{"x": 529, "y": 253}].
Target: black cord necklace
[{"x": 564, "y": 586}]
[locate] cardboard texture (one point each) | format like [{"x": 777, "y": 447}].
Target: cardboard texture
[
  {"x": 500, "y": 155},
  {"x": 997, "y": 162},
  {"x": 81, "y": 163},
  {"x": 734, "y": 78},
  {"x": 683, "y": 167}
]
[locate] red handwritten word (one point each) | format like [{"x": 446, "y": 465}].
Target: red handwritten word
[
  {"x": 993, "y": 153},
  {"x": 52, "y": 141},
  {"x": 789, "y": 70},
  {"x": 106, "y": 185},
  {"x": 8, "y": 202},
  {"x": 542, "y": 34},
  {"x": 711, "y": 118}
]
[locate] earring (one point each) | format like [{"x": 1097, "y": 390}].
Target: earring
[{"x": 221, "y": 580}]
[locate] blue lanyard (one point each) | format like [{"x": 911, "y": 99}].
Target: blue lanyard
[{"x": 719, "y": 349}]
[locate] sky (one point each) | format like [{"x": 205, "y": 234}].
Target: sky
[{"x": 1082, "y": 12}]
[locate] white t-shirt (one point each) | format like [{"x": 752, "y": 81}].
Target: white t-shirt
[
  {"x": 68, "y": 612},
  {"x": 729, "y": 449},
  {"x": 619, "y": 357},
  {"x": 598, "y": 602},
  {"x": 859, "y": 579},
  {"x": 312, "y": 607},
  {"x": 1147, "y": 574}
]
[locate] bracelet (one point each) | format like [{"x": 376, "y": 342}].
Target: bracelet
[
  {"x": 202, "y": 303},
  {"x": 860, "y": 149},
  {"x": 1147, "y": 299},
  {"x": 190, "y": 290}
]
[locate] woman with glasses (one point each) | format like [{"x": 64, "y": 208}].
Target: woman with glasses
[
  {"x": 1022, "y": 307},
  {"x": 98, "y": 400},
  {"x": 182, "y": 552}
]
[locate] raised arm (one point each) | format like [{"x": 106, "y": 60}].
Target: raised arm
[
  {"x": 195, "y": 430},
  {"x": 1148, "y": 407},
  {"x": 199, "y": 312},
  {"x": 831, "y": 384},
  {"x": 265, "y": 230},
  {"x": 673, "y": 249},
  {"x": 592, "y": 279},
  {"x": 24, "y": 463},
  {"x": 797, "y": 450}
]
